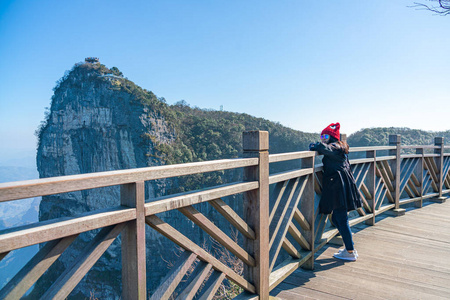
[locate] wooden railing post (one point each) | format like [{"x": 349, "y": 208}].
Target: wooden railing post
[
  {"x": 395, "y": 140},
  {"x": 133, "y": 243},
  {"x": 419, "y": 175},
  {"x": 256, "y": 209},
  {"x": 307, "y": 207},
  {"x": 370, "y": 183},
  {"x": 439, "y": 142}
]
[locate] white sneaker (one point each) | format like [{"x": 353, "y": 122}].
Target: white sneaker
[
  {"x": 345, "y": 255},
  {"x": 340, "y": 251}
]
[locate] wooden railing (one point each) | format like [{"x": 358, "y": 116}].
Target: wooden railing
[{"x": 280, "y": 226}]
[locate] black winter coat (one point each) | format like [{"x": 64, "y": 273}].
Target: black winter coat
[{"x": 338, "y": 184}]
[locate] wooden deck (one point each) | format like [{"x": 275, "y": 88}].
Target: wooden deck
[{"x": 405, "y": 257}]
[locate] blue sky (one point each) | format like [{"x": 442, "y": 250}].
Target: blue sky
[{"x": 304, "y": 64}]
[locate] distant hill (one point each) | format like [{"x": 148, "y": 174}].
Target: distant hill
[{"x": 379, "y": 136}]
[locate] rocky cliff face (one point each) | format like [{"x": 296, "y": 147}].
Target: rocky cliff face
[{"x": 97, "y": 122}]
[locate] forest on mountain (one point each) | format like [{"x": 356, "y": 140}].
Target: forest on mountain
[{"x": 379, "y": 136}]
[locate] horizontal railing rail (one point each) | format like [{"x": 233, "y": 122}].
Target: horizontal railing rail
[
  {"x": 57, "y": 185},
  {"x": 279, "y": 228}
]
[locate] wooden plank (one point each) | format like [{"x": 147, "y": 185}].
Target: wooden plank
[
  {"x": 353, "y": 222},
  {"x": 286, "y": 219},
  {"x": 277, "y": 194},
  {"x": 173, "y": 278},
  {"x": 23, "y": 236},
  {"x": 363, "y": 174},
  {"x": 185, "y": 199},
  {"x": 182, "y": 241},
  {"x": 413, "y": 188},
  {"x": 386, "y": 178},
  {"x": 289, "y": 175},
  {"x": 434, "y": 165},
  {"x": 65, "y": 283},
  {"x": 134, "y": 281},
  {"x": 290, "y": 156},
  {"x": 34, "y": 269},
  {"x": 295, "y": 233},
  {"x": 247, "y": 296},
  {"x": 408, "y": 170},
  {"x": 300, "y": 218},
  {"x": 388, "y": 170},
  {"x": 320, "y": 226},
  {"x": 364, "y": 201},
  {"x": 381, "y": 196},
  {"x": 415, "y": 180},
  {"x": 386, "y": 158},
  {"x": 360, "y": 161},
  {"x": 307, "y": 205},
  {"x": 409, "y": 192},
  {"x": 371, "y": 148},
  {"x": 366, "y": 191},
  {"x": 204, "y": 223},
  {"x": 426, "y": 182},
  {"x": 405, "y": 163},
  {"x": 412, "y": 199},
  {"x": 231, "y": 216},
  {"x": 62, "y": 184},
  {"x": 279, "y": 217},
  {"x": 290, "y": 291},
  {"x": 283, "y": 270},
  {"x": 431, "y": 170},
  {"x": 356, "y": 170},
  {"x": 384, "y": 209},
  {"x": 192, "y": 288},
  {"x": 257, "y": 209},
  {"x": 326, "y": 237},
  {"x": 419, "y": 147},
  {"x": 411, "y": 156},
  {"x": 317, "y": 185},
  {"x": 216, "y": 279},
  {"x": 389, "y": 196},
  {"x": 290, "y": 249},
  {"x": 370, "y": 184},
  {"x": 361, "y": 211}
]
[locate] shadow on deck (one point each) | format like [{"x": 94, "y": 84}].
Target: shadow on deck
[{"x": 405, "y": 257}]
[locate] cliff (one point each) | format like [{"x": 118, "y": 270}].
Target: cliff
[{"x": 97, "y": 122}]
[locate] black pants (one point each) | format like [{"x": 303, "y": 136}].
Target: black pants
[{"x": 340, "y": 220}]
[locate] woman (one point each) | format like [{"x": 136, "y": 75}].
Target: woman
[{"x": 339, "y": 191}]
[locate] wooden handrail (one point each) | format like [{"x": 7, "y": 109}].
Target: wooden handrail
[
  {"x": 63, "y": 184},
  {"x": 372, "y": 148},
  {"x": 41, "y": 232},
  {"x": 290, "y": 156}
]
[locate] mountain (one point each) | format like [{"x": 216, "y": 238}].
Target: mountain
[
  {"x": 101, "y": 121},
  {"x": 380, "y": 136}
]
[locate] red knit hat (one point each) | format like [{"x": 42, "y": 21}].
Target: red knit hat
[{"x": 333, "y": 130}]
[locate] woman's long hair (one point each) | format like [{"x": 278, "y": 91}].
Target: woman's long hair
[{"x": 341, "y": 144}]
